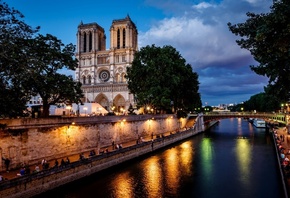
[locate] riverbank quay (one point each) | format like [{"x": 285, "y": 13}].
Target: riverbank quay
[
  {"x": 282, "y": 146},
  {"x": 30, "y": 140},
  {"x": 38, "y": 182}
]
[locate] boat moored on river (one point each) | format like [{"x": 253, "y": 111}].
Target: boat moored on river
[{"x": 259, "y": 123}]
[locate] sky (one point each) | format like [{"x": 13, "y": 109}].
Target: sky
[{"x": 196, "y": 29}]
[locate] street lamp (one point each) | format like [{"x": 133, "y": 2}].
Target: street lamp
[
  {"x": 113, "y": 108},
  {"x": 69, "y": 109},
  {"x": 85, "y": 109},
  {"x": 148, "y": 109},
  {"x": 287, "y": 107},
  {"x": 282, "y": 108}
]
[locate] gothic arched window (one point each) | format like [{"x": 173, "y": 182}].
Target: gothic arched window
[
  {"x": 118, "y": 39},
  {"x": 89, "y": 79},
  {"x": 85, "y": 42},
  {"x": 90, "y": 42},
  {"x": 100, "y": 42},
  {"x": 84, "y": 80},
  {"x": 117, "y": 77},
  {"x": 124, "y": 38},
  {"x": 123, "y": 79}
]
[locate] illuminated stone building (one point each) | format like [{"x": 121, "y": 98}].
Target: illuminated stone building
[{"x": 102, "y": 71}]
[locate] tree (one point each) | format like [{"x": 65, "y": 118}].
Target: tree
[
  {"x": 13, "y": 40},
  {"x": 267, "y": 37},
  {"x": 30, "y": 65},
  {"x": 47, "y": 55},
  {"x": 160, "y": 78},
  {"x": 262, "y": 102}
]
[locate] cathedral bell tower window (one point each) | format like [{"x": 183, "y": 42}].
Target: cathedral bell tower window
[
  {"x": 118, "y": 39},
  {"x": 90, "y": 42},
  {"x": 85, "y": 42},
  {"x": 124, "y": 38}
]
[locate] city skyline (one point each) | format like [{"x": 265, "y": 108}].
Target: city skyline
[{"x": 197, "y": 29}]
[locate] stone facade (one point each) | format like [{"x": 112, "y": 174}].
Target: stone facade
[
  {"x": 36, "y": 142},
  {"x": 101, "y": 71}
]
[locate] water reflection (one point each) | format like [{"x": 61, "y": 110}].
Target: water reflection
[
  {"x": 152, "y": 177},
  {"x": 239, "y": 127},
  {"x": 231, "y": 160},
  {"x": 206, "y": 157},
  {"x": 123, "y": 186},
  {"x": 171, "y": 169},
  {"x": 186, "y": 156},
  {"x": 243, "y": 154}
]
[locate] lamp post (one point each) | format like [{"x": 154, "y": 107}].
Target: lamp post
[
  {"x": 148, "y": 109},
  {"x": 179, "y": 123},
  {"x": 69, "y": 109},
  {"x": 85, "y": 109},
  {"x": 287, "y": 108}
]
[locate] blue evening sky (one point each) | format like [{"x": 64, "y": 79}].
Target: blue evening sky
[{"x": 197, "y": 29}]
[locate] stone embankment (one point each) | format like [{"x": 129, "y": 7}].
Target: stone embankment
[{"x": 38, "y": 182}]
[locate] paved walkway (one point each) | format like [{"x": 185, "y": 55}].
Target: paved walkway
[
  {"x": 283, "y": 147},
  {"x": 72, "y": 158}
]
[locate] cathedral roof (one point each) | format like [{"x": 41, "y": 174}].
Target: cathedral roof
[
  {"x": 88, "y": 25},
  {"x": 126, "y": 20}
]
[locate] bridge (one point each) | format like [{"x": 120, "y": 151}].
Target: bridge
[{"x": 271, "y": 118}]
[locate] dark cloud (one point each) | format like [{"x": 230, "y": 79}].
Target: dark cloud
[{"x": 198, "y": 30}]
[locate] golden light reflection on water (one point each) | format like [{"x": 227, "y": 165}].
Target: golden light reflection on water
[
  {"x": 186, "y": 157},
  {"x": 171, "y": 168},
  {"x": 165, "y": 172},
  {"x": 123, "y": 186},
  {"x": 243, "y": 153},
  {"x": 153, "y": 177}
]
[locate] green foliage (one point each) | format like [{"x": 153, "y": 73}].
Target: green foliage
[
  {"x": 130, "y": 109},
  {"x": 30, "y": 65},
  {"x": 237, "y": 108},
  {"x": 181, "y": 114},
  {"x": 47, "y": 56},
  {"x": 267, "y": 37},
  {"x": 13, "y": 35},
  {"x": 262, "y": 102},
  {"x": 207, "y": 109},
  {"x": 160, "y": 78}
]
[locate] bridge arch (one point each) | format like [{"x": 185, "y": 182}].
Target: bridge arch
[{"x": 270, "y": 118}]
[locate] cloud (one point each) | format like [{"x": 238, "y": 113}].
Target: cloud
[
  {"x": 203, "y": 5},
  {"x": 200, "y": 33}
]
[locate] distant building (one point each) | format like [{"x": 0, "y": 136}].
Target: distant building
[{"x": 101, "y": 71}]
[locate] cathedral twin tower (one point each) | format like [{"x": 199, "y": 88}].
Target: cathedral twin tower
[{"x": 102, "y": 72}]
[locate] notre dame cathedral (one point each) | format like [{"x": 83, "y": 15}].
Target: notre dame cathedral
[{"x": 102, "y": 71}]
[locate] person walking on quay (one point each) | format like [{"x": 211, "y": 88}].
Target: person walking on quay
[
  {"x": 113, "y": 145},
  {"x": 37, "y": 169},
  {"x": 62, "y": 163},
  {"x": 67, "y": 161},
  {"x": 7, "y": 163},
  {"x": 43, "y": 163},
  {"x": 55, "y": 163}
]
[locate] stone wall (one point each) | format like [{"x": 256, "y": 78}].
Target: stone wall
[{"x": 56, "y": 138}]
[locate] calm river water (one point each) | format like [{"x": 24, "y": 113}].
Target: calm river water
[{"x": 232, "y": 160}]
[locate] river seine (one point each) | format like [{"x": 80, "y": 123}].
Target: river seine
[{"x": 231, "y": 160}]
